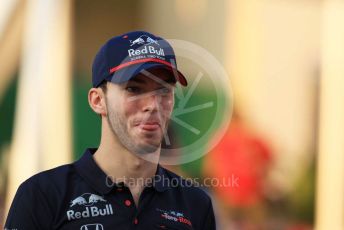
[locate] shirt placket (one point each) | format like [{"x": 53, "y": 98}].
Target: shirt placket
[{"x": 135, "y": 212}]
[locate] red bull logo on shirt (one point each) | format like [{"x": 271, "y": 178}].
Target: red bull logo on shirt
[
  {"x": 93, "y": 205},
  {"x": 87, "y": 199}
]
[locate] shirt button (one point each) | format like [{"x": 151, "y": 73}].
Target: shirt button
[
  {"x": 136, "y": 221},
  {"x": 127, "y": 202}
]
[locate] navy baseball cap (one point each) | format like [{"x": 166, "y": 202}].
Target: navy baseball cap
[{"x": 123, "y": 57}]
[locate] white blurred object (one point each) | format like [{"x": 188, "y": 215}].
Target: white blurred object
[
  {"x": 42, "y": 131},
  {"x": 7, "y": 7},
  {"x": 11, "y": 27},
  {"x": 330, "y": 165}
]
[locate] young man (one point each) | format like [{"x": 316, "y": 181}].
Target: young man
[{"x": 120, "y": 185}]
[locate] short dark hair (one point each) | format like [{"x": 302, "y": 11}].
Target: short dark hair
[{"x": 103, "y": 86}]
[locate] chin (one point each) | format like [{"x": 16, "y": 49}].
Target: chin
[
  {"x": 149, "y": 146},
  {"x": 147, "y": 143},
  {"x": 149, "y": 138},
  {"x": 146, "y": 149}
]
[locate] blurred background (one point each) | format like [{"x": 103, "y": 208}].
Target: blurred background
[{"x": 285, "y": 61}]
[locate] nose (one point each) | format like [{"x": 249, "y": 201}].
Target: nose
[{"x": 152, "y": 103}]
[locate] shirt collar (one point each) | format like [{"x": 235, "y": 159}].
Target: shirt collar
[
  {"x": 161, "y": 179},
  {"x": 98, "y": 180}
]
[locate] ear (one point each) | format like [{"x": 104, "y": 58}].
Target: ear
[{"x": 96, "y": 100}]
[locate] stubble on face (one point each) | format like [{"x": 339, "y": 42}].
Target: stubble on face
[
  {"x": 118, "y": 126},
  {"x": 127, "y": 120}
]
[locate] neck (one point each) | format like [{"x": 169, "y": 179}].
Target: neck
[{"x": 122, "y": 164}]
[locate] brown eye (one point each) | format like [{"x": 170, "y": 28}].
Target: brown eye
[
  {"x": 133, "y": 89},
  {"x": 164, "y": 90}
]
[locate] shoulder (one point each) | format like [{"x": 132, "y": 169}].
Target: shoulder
[
  {"x": 39, "y": 194},
  {"x": 50, "y": 176},
  {"x": 49, "y": 183}
]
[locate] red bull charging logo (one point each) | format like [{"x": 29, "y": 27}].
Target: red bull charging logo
[{"x": 88, "y": 205}]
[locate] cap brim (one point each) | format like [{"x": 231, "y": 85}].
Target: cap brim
[{"x": 127, "y": 73}]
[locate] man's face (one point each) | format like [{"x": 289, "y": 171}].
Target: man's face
[{"x": 140, "y": 109}]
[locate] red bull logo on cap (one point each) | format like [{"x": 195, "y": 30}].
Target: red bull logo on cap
[
  {"x": 148, "y": 48},
  {"x": 143, "y": 39}
]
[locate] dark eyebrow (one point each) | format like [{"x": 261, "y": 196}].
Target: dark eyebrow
[{"x": 138, "y": 80}]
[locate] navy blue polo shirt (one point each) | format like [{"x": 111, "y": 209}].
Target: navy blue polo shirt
[{"x": 81, "y": 196}]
